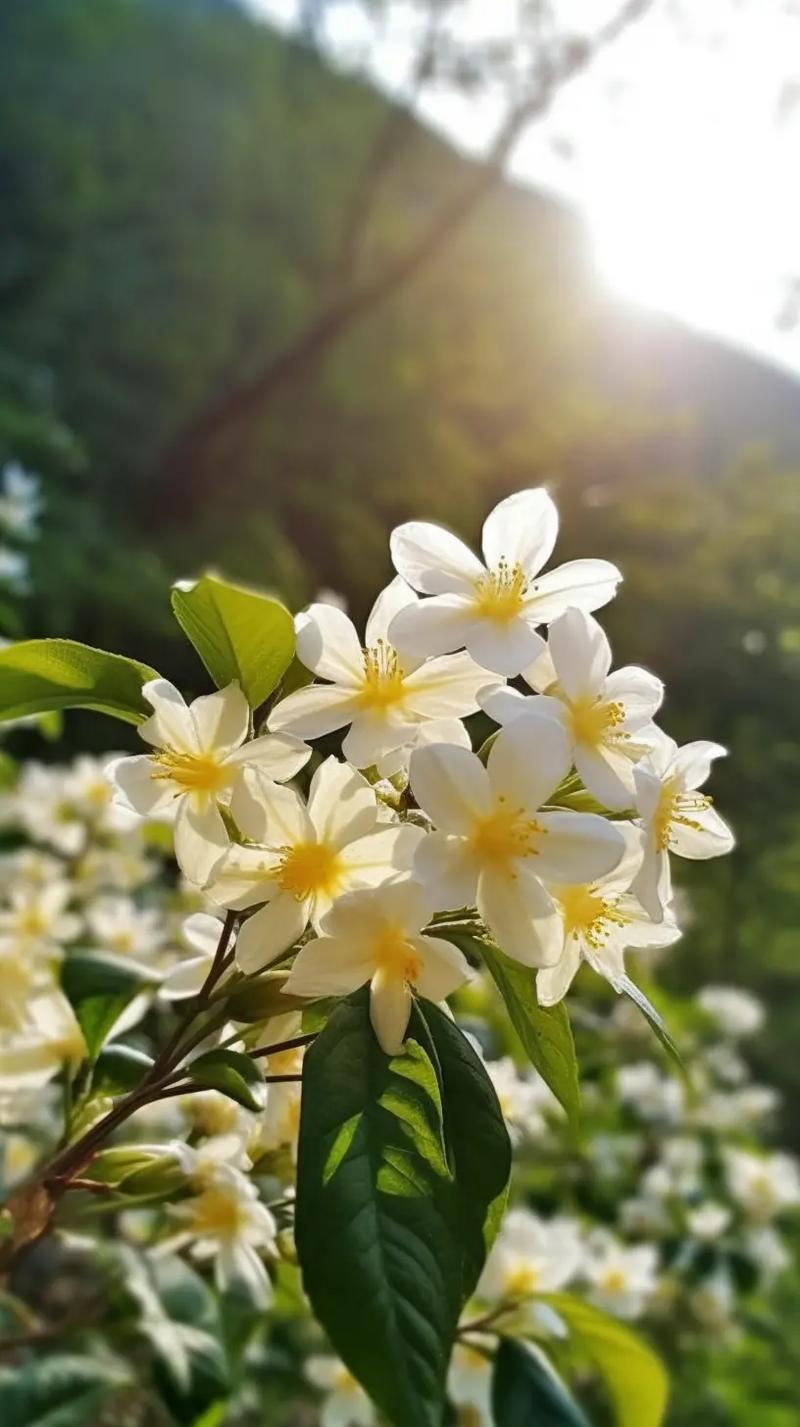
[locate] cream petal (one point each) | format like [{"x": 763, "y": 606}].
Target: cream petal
[
  {"x": 222, "y": 719},
  {"x": 202, "y": 932},
  {"x": 447, "y": 687},
  {"x": 135, "y": 782},
  {"x": 580, "y": 652},
  {"x": 373, "y": 859},
  {"x": 528, "y": 760},
  {"x": 200, "y": 838},
  {"x": 553, "y": 982},
  {"x": 390, "y": 1002},
  {"x": 609, "y": 962},
  {"x": 244, "y": 876},
  {"x": 433, "y": 627},
  {"x": 638, "y": 690},
  {"x": 277, "y": 755},
  {"x": 521, "y": 530},
  {"x": 327, "y": 643},
  {"x": 692, "y": 763},
  {"x": 433, "y": 560},
  {"x": 647, "y": 787},
  {"x": 580, "y": 584},
  {"x": 374, "y": 733},
  {"x": 185, "y": 979},
  {"x": 541, "y": 674},
  {"x": 270, "y": 813},
  {"x": 314, "y": 711},
  {"x": 442, "y": 730},
  {"x": 521, "y": 915},
  {"x": 607, "y": 774},
  {"x": 504, "y": 648},
  {"x": 618, "y": 881},
  {"x": 396, "y": 597},
  {"x": 652, "y": 885},
  {"x": 577, "y": 847},
  {"x": 270, "y": 932},
  {"x": 341, "y": 804},
  {"x": 504, "y": 704},
  {"x": 444, "y": 967},
  {"x": 445, "y": 866},
  {"x": 357, "y": 917},
  {"x": 171, "y": 724},
  {"x": 641, "y": 931},
  {"x": 711, "y": 837},
  {"x": 451, "y": 785},
  {"x": 328, "y": 966}
]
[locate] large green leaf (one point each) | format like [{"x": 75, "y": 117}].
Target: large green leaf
[
  {"x": 634, "y": 1377},
  {"x": 40, "y": 675},
  {"x": 232, "y": 1074},
  {"x": 544, "y": 1031},
  {"x": 57, "y": 1391},
  {"x": 99, "y": 988},
  {"x": 381, "y": 1209},
  {"x": 238, "y": 633},
  {"x": 525, "y": 1393}
]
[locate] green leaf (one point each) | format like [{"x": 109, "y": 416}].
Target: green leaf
[
  {"x": 382, "y": 1205},
  {"x": 119, "y": 1068},
  {"x": 634, "y": 1377},
  {"x": 233, "y": 1074},
  {"x": 42, "y": 675},
  {"x": 525, "y": 1393},
  {"x": 657, "y": 1025},
  {"x": 238, "y": 633},
  {"x": 544, "y": 1031},
  {"x": 262, "y": 999},
  {"x": 99, "y": 988},
  {"x": 57, "y": 1391}
]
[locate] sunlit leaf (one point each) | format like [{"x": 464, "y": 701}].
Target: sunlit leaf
[
  {"x": 233, "y": 1074},
  {"x": 42, "y": 675},
  {"x": 239, "y": 633},
  {"x": 634, "y": 1377}
]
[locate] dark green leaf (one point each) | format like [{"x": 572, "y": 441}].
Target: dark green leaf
[
  {"x": 233, "y": 1074},
  {"x": 260, "y": 1000},
  {"x": 525, "y": 1393},
  {"x": 57, "y": 1391},
  {"x": 41, "y": 675},
  {"x": 238, "y": 633},
  {"x": 119, "y": 1068},
  {"x": 99, "y": 988},
  {"x": 544, "y": 1031},
  {"x": 633, "y": 1376}
]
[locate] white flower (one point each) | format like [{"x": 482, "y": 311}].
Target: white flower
[
  {"x": 346, "y": 1403},
  {"x": 708, "y": 1221},
  {"x": 119, "y": 926},
  {"x": 675, "y": 816},
  {"x": 88, "y": 789},
  {"x": 523, "y": 1098},
  {"x": 653, "y": 1096},
  {"x": 201, "y": 758},
  {"x": 607, "y": 717},
  {"x": 738, "y": 1013},
  {"x": 384, "y": 698},
  {"x": 768, "y": 1252},
  {"x": 494, "y": 847},
  {"x": 531, "y": 1255},
  {"x": 280, "y": 1121},
  {"x": 37, "y": 921},
  {"x": 50, "y": 1037},
  {"x": 622, "y": 1279},
  {"x": 375, "y": 936},
  {"x": 306, "y": 856},
  {"x": 599, "y": 920},
  {"x": 201, "y": 933},
  {"x": 469, "y": 1384},
  {"x": 20, "y": 501},
  {"x": 493, "y": 609},
  {"x": 764, "y": 1185},
  {"x": 226, "y": 1221},
  {"x": 45, "y": 810}
]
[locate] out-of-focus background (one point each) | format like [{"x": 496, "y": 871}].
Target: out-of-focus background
[{"x": 276, "y": 277}]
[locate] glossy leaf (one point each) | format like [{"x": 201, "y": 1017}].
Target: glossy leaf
[
  {"x": 60, "y": 1390},
  {"x": 526, "y": 1393},
  {"x": 633, "y": 1375},
  {"x": 43, "y": 675},
  {"x": 99, "y": 988},
  {"x": 233, "y": 1074},
  {"x": 239, "y": 633}
]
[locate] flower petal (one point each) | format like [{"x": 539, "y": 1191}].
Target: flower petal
[
  {"x": 504, "y": 648},
  {"x": 269, "y": 932},
  {"x": 373, "y": 733},
  {"x": 171, "y": 724},
  {"x": 327, "y": 643},
  {"x": 341, "y": 804},
  {"x": 521, "y": 530},
  {"x": 243, "y": 877},
  {"x": 607, "y": 774},
  {"x": 692, "y": 763},
  {"x": 448, "y": 870},
  {"x": 433, "y": 560},
  {"x": 709, "y": 837},
  {"x": 222, "y": 719},
  {"x": 433, "y": 627},
  {"x": 652, "y": 885},
  {"x": 521, "y": 915},
  {"x": 328, "y": 966},
  {"x": 447, "y": 687},
  {"x": 640, "y": 691},
  {"x": 580, "y": 652},
  {"x": 451, "y": 785},
  {"x": 444, "y": 967},
  {"x": 390, "y": 1003},
  {"x": 314, "y": 711},
  {"x": 396, "y": 597},
  {"x": 270, "y": 813},
  {"x": 135, "y": 782},
  {"x": 185, "y": 979},
  {"x": 553, "y": 982},
  {"x": 202, "y": 932},
  {"x": 577, "y": 847},
  {"x": 380, "y": 855},
  {"x": 200, "y": 838},
  {"x": 527, "y": 761},
  {"x": 580, "y": 584},
  {"x": 277, "y": 755}
]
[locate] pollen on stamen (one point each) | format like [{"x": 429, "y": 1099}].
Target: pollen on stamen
[
  {"x": 383, "y": 676},
  {"x": 500, "y": 593}
]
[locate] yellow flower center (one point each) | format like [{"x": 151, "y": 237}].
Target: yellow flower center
[
  {"x": 98, "y": 794},
  {"x": 500, "y": 593},
  {"x": 613, "y": 1281},
  {"x": 343, "y": 1381},
  {"x": 396, "y": 957},
  {"x": 121, "y": 941},
  {"x": 215, "y": 1212},
  {"x": 213, "y": 1115},
  {"x": 521, "y": 1280},
  {"x": 382, "y": 687},
  {"x": 677, "y": 809},
  {"x": 191, "y": 772},
  {"x": 32, "y": 923},
  {"x": 587, "y": 915},
  {"x": 596, "y": 721},
  {"x": 308, "y": 867},
  {"x": 504, "y": 835}
]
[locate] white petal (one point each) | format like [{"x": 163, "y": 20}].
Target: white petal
[
  {"x": 171, "y": 724},
  {"x": 277, "y": 755},
  {"x": 504, "y": 704},
  {"x": 580, "y": 652},
  {"x": 640, "y": 691},
  {"x": 553, "y": 982},
  {"x": 641, "y": 931},
  {"x": 185, "y": 979},
  {"x": 328, "y": 966},
  {"x": 522, "y": 916},
  {"x": 202, "y": 932},
  {"x": 374, "y": 733},
  {"x": 448, "y": 870},
  {"x": 243, "y": 877},
  {"x": 328, "y": 644},
  {"x": 134, "y": 779},
  {"x": 433, "y": 560},
  {"x": 577, "y": 847},
  {"x": 269, "y": 932},
  {"x": 442, "y": 730},
  {"x": 358, "y": 917},
  {"x": 200, "y": 838},
  {"x": 580, "y": 584},
  {"x": 450, "y": 785},
  {"x": 618, "y": 881},
  {"x": 710, "y": 838},
  {"x": 380, "y": 855},
  {"x": 609, "y": 962},
  {"x": 504, "y": 648},
  {"x": 432, "y": 627},
  {"x": 270, "y": 813},
  {"x": 341, "y": 804},
  {"x": 396, "y": 597},
  {"x": 444, "y": 967},
  {"x": 692, "y": 763},
  {"x": 607, "y": 774},
  {"x": 521, "y": 530},
  {"x": 314, "y": 711},
  {"x": 528, "y": 761},
  {"x": 652, "y": 885},
  {"x": 222, "y": 719},
  {"x": 446, "y": 688},
  {"x": 541, "y": 674},
  {"x": 389, "y": 1011}
]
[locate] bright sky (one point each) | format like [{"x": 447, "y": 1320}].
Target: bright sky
[{"x": 681, "y": 146}]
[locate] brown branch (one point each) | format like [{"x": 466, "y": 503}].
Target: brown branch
[{"x": 235, "y": 406}]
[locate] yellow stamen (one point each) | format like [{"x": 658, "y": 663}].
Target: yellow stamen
[
  {"x": 521, "y": 1281},
  {"x": 675, "y": 809},
  {"x": 505, "y": 835},
  {"x": 394, "y": 956},
  {"x": 613, "y": 1281},
  {"x": 588, "y": 915},
  {"x": 215, "y": 1212},
  {"x": 31, "y": 923},
  {"x": 383, "y": 678},
  {"x": 500, "y": 593},
  {"x": 596, "y": 721},
  {"x": 343, "y": 1381},
  {"x": 191, "y": 772},
  {"x": 307, "y": 868}
]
